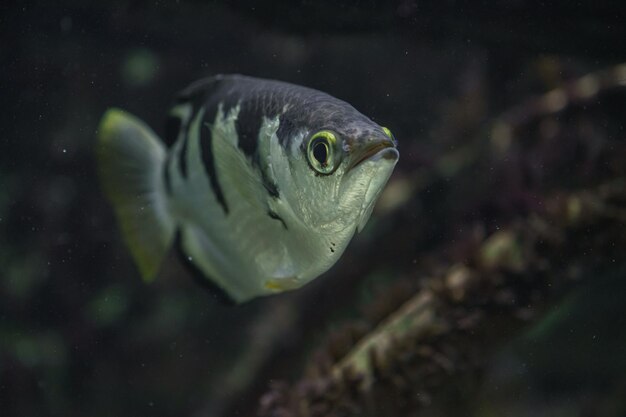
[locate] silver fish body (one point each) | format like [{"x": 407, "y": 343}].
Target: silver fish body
[{"x": 262, "y": 185}]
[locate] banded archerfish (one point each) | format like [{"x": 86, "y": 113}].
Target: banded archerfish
[{"x": 260, "y": 184}]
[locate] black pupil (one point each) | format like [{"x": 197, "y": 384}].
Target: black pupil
[{"x": 320, "y": 152}]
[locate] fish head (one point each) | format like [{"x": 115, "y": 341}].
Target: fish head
[{"x": 339, "y": 166}]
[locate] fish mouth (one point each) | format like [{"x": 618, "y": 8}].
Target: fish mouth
[{"x": 373, "y": 150}]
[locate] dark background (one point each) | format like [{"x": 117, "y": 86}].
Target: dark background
[{"x": 80, "y": 334}]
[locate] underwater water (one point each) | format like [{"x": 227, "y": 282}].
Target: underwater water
[{"x": 490, "y": 280}]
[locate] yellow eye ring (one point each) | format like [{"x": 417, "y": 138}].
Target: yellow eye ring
[{"x": 321, "y": 152}]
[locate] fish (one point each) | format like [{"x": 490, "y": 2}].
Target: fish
[{"x": 259, "y": 184}]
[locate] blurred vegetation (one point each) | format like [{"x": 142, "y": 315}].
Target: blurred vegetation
[{"x": 505, "y": 214}]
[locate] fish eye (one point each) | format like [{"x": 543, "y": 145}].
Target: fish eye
[{"x": 321, "y": 152}]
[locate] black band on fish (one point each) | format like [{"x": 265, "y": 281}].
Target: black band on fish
[
  {"x": 248, "y": 124},
  {"x": 182, "y": 156},
  {"x": 271, "y": 188},
  {"x": 208, "y": 160},
  {"x": 167, "y": 180},
  {"x": 275, "y": 216}
]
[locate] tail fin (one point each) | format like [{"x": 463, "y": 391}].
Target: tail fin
[{"x": 130, "y": 163}]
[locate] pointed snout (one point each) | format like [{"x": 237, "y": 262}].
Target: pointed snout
[{"x": 373, "y": 151}]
